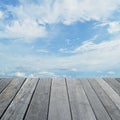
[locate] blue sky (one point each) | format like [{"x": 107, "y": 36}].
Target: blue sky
[{"x": 60, "y": 38}]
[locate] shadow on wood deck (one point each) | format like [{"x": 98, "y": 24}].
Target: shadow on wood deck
[{"x": 59, "y": 99}]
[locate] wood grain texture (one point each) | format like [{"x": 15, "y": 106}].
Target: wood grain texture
[
  {"x": 81, "y": 109},
  {"x": 8, "y": 94},
  {"x": 114, "y": 84},
  {"x": 59, "y": 99},
  {"x": 107, "y": 102},
  {"x": 59, "y": 106},
  {"x": 38, "y": 109},
  {"x": 110, "y": 92},
  {"x": 118, "y": 79},
  {"x": 19, "y": 105},
  {"x": 96, "y": 104},
  {"x": 3, "y": 83}
]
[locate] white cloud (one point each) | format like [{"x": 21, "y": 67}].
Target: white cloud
[
  {"x": 114, "y": 27},
  {"x": 1, "y": 14},
  {"x": 66, "y": 11},
  {"x": 27, "y": 29},
  {"x": 84, "y": 47},
  {"x": 42, "y": 51},
  {"x": 111, "y": 73},
  {"x": 63, "y": 50},
  {"x": 89, "y": 46},
  {"x": 32, "y": 76},
  {"x": 31, "y": 17},
  {"x": 20, "y": 74},
  {"x": 30, "y": 22},
  {"x": 46, "y": 73},
  {"x": 73, "y": 70},
  {"x": 101, "y": 56}
]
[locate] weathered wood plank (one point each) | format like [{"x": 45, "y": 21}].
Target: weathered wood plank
[
  {"x": 89, "y": 99},
  {"x": 59, "y": 106},
  {"x": 111, "y": 93},
  {"x": 80, "y": 107},
  {"x": 97, "y": 106},
  {"x": 118, "y": 79},
  {"x": 108, "y": 104},
  {"x": 3, "y": 83},
  {"x": 114, "y": 84},
  {"x": 18, "y": 107},
  {"x": 38, "y": 108},
  {"x": 8, "y": 94}
]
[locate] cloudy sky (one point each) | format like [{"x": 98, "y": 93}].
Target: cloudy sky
[{"x": 59, "y": 38}]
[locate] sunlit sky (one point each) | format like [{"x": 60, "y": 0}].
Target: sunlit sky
[{"x": 59, "y": 38}]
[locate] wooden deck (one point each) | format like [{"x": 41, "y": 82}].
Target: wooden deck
[{"x": 59, "y": 99}]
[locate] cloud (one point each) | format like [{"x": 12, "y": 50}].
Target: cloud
[
  {"x": 30, "y": 18},
  {"x": 20, "y": 74},
  {"x": 42, "y": 51},
  {"x": 64, "y": 50},
  {"x": 82, "y": 48},
  {"x": 111, "y": 72},
  {"x": 90, "y": 46},
  {"x": 1, "y": 14},
  {"x": 46, "y": 73},
  {"x": 23, "y": 29},
  {"x": 65, "y": 11},
  {"x": 114, "y": 27},
  {"x": 100, "y": 56},
  {"x": 73, "y": 70}
]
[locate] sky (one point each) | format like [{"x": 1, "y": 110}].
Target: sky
[{"x": 60, "y": 38}]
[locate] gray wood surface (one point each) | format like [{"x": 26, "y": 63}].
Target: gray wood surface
[
  {"x": 81, "y": 109},
  {"x": 38, "y": 109},
  {"x": 3, "y": 83},
  {"x": 114, "y": 84},
  {"x": 97, "y": 106},
  {"x": 110, "y": 92},
  {"x": 8, "y": 94},
  {"x": 118, "y": 79},
  {"x": 107, "y": 102},
  {"x": 59, "y": 106},
  {"x": 59, "y": 99},
  {"x": 19, "y": 105}
]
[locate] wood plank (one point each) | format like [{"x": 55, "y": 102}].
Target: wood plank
[
  {"x": 80, "y": 107},
  {"x": 8, "y": 94},
  {"x": 3, "y": 83},
  {"x": 111, "y": 93},
  {"x": 96, "y": 104},
  {"x": 108, "y": 104},
  {"x": 114, "y": 84},
  {"x": 18, "y": 107},
  {"x": 59, "y": 106},
  {"x": 118, "y": 79},
  {"x": 38, "y": 108}
]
